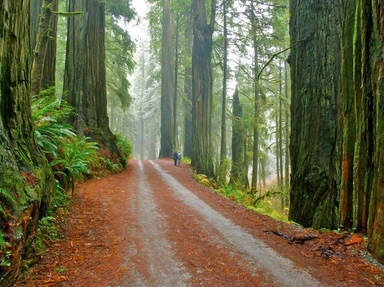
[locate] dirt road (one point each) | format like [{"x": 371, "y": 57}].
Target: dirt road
[{"x": 153, "y": 225}]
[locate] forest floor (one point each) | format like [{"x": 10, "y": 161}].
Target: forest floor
[{"x": 153, "y": 225}]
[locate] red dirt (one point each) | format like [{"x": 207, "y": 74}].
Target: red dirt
[{"x": 105, "y": 243}]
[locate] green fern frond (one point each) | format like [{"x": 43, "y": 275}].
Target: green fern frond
[{"x": 7, "y": 198}]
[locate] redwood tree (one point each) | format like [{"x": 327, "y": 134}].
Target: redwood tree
[
  {"x": 19, "y": 152},
  {"x": 167, "y": 143},
  {"x": 85, "y": 73},
  {"x": 188, "y": 35},
  {"x": 315, "y": 72},
  {"x": 363, "y": 93},
  {"x": 202, "y": 86},
  {"x": 44, "y": 62},
  {"x": 238, "y": 175}
]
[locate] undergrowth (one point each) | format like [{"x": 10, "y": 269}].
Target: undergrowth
[
  {"x": 124, "y": 146},
  {"x": 71, "y": 157},
  {"x": 261, "y": 202},
  {"x": 186, "y": 160}
]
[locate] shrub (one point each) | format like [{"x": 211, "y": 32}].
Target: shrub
[
  {"x": 49, "y": 115},
  {"x": 124, "y": 146},
  {"x": 76, "y": 154}
]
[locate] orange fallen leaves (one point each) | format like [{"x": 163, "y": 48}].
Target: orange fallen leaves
[{"x": 355, "y": 239}]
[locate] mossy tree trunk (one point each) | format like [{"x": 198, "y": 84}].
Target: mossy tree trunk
[
  {"x": 376, "y": 218},
  {"x": 237, "y": 171},
  {"x": 19, "y": 152},
  {"x": 85, "y": 73},
  {"x": 43, "y": 38},
  {"x": 35, "y": 19},
  {"x": 349, "y": 116},
  {"x": 202, "y": 86},
  {"x": 315, "y": 30},
  {"x": 167, "y": 143},
  {"x": 223, "y": 144},
  {"x": 256, "y": 99},
  {"x": 188, "y": 35},
  {"x": 49, "y": 73},
  {"x": 364, "y": 120},
  {"x": 286, "y": 125}
]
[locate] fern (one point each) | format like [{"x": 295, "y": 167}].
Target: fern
[
  {"x": 3, "y": 214},
  {"x": 2, "y": 242},
  {"x": 7, "y": 198},
  {"x": 124, "y": 146}
]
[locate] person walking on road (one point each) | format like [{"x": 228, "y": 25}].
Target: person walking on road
[
  {"x": 178, "y": 158},
  {"x": 175, "y": 157}
]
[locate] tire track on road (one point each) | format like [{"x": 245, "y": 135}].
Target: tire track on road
[{"x": 281, "y": 270}]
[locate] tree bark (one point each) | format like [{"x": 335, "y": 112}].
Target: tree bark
[
  {"x": 223, "y": 149},
  {"x": 287, "y": 175},
  {"x": 368, "y": 90},
  {"x": 19, "y": 152},
  {"x": 255, "y": 161},
  {"x": 281, "y": 123},
  {"x": 349, "y": 116},
  {"x": 202, "y": 86},
  {"x": 237, "y": 172},
  {"x": 188, "y": 34},
  {"x": 85, "y": 74},
  {"x": 49, "y": 72},
  {"x": 35, "y": 19},
  {"x": 42, "y": 40},
  {"x": 315, "y": 73},
  {"x": 167, "y": 144},
  {"x": 175, "y": 134},
  {"x": 376, "y": 219}
]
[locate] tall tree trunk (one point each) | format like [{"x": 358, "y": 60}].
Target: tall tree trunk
[
  {"x": 19, "y": 152},
  {"x": 35, "y": 19},
  {"x": 315, "y": 73},
  {"x": 49, "y": 71},
  {"x": 349, "y": 116},
  {"x": 141, "y": 121},
  {"x": 142, "y": 147},
  {"x": 202, "y": 86},
  {"x": 365, "y": 85},
  {"x": 188, "y": 34},
  {"x": 287, "y": 176},
  {"x": 85, "y": 74},
  {"x": 176, "y": 82},
  {"x": 364, "y": 105},
  {"x": 167, "y": 144},
  {"x": 281, "y": 123},
  {"x": 42, "y": 40},
  {"x": 237, "y": 173},
  {"x": 376, "y": 219},
  {"x": 277, "y": 142},
  {"x": 256, "y": 88},
  {"x": 245, "y": 159},
  {"x": 223, "y": 150}
]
